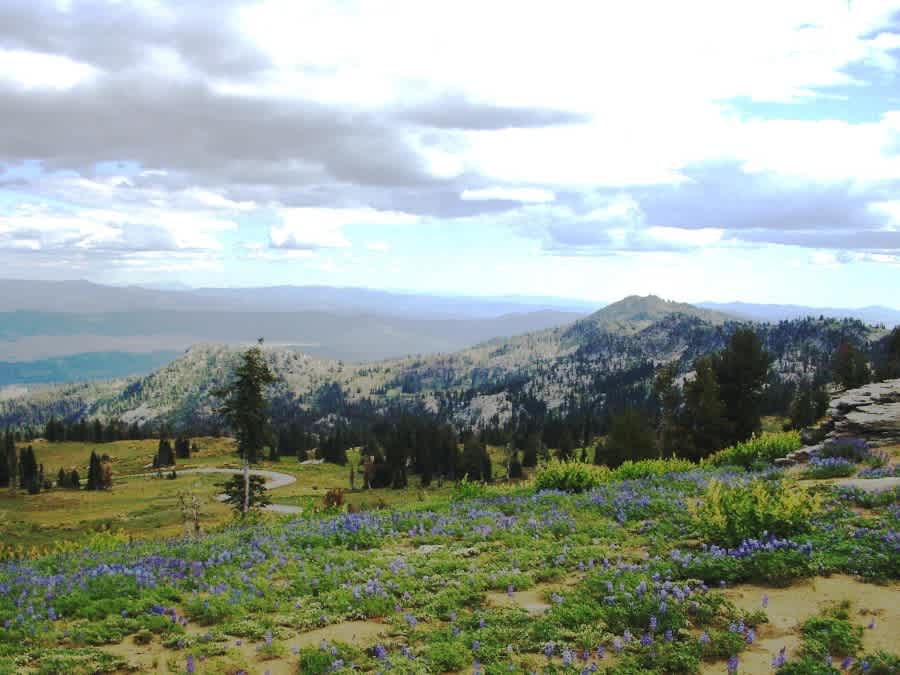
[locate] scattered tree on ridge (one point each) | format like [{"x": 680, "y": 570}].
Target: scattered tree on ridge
[{"x": 850, "y": 367}]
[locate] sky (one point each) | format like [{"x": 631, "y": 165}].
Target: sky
[{"x": 709, "y": 150}]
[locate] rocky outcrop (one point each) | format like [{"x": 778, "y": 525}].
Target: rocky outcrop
[{"x": 871, "y": 412}]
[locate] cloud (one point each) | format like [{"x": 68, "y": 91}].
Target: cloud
[
  {"x": 187, "y": 128},
  {"x": 318, "y": 228},
  {"x": 566, "y": 130},
  {"x": 457, "y": 112},
  {"x": 116, "y": 36},
  {"x": 511, "y": 194}
]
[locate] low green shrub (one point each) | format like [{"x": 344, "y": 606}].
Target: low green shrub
[
  {"x": 729, "y": 515},
  {"x": 569, "y": 476},
  {"x": 648, "y": 468},
  {"x": 766, "y": 448},
  {"x": 87, "y": 661},
  {"x": 879, "y": 663},
  {"x": 829, "y": 467},
  {"x": 808, "y": 665},
  {"x": 832, "y": 634},
  {"x": 469, "y": 489}
]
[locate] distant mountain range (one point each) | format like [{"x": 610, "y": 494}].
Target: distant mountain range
[
  {"x": 874, "y": 314},
  {"x": 605, "y": 356},
  {"x": 57, "y": 332},
  {"x": 84, "y": 297}
]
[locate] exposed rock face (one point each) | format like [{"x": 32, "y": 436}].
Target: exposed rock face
[{"x": 871, "y": 412}]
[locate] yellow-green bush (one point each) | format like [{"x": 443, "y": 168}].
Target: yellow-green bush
[
  {"x": 727, "y": 515},
  {"x": 765, "y": 448},
  {"x": 569, "y": 476},
  {"x": 645, "y": 468}
]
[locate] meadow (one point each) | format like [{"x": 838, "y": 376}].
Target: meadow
[{"x": 656, "y": 567}]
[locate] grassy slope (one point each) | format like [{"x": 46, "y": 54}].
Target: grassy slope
[{"x": 146, "y": 507}]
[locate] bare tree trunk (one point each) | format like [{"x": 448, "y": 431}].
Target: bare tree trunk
[{"x": 246, "y": 486}]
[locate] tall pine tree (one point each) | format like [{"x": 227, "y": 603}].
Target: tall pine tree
[
  {"x": 245, "y": 408},
  {"x": 741, "y": 370},
  {"x": 704, "y": 412},
  {"x": 94, "y": 475}
]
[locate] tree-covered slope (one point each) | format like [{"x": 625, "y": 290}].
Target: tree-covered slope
[{"x": 582, "y": 364}]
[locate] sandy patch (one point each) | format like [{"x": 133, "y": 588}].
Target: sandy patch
[
  {"x": 531, "y": 600},
  {"x": 789, "y": 607},
  {"x": 356, "y": 633}
]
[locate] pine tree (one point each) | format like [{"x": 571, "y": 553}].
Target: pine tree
[
  {"x": 889, "y": 365},
  {"x": 4, "y": 465},
  {"x": 30, "y": 476},
  {"x": 850, "y": 367},
  {"x": 631, "y": 437},
  {"x": 515, "y": 466},
  {"x": 182, "y": 448},
  {"x": 741, "y": 370},
  {"x": 245, "y": 408},
  {"x": 94, "y": 478},
  {"x": 704, "y": 413},
  {"x": 12, "y": 459},
  {"x": 668, "y": 398},
  {"x": 472, "y": 462},
  {"x": 165, "y": 456},
  {"x": 75, "y": 480},
  {"x": 62, "y": 479},
  {"x": 531, "y": 450}
]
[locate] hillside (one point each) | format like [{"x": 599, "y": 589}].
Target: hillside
[
  {"x": 874, "y": 314},
  {"x": 612, "y": 352}
]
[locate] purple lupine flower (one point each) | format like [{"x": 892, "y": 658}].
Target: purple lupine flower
[
  {"x": 779, "y": 659},
  {"x": 476, "y": 645},
  {"x": 765, "y": 601},
  {"x": 733, "y": 664},
  {"x": 548, "y": 649},
  {"x": 190, "y": 664}
]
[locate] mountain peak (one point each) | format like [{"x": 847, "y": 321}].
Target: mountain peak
[{"x": 635, "y": 312}]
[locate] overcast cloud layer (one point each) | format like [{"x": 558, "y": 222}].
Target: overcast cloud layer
[{"x": 207, "y": 141}]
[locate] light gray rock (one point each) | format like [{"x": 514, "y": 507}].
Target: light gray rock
[{"x": 871, "y": 412}]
